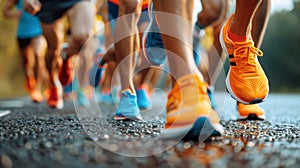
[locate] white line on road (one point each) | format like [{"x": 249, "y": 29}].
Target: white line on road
[{"x": 4, "y": 112}]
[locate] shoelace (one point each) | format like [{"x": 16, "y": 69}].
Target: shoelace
[
  {"x": 245, "y": 53},
  {"x": 174, "y": 97}
]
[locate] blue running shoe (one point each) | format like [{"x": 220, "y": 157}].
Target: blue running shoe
[
  {"x": 210, "y": 92},
  {"x": 153, "y": 46},
  {"x": 95, "y": 74},
  {"x": 81, "y": 99},
  {"x": 107, "y": 99},
  {"x": 97, "y": 69},
  {"x": 68, "y": 88},
  {"x": 74, "y": 85},
  {"x": 143, "y": 99},
  {"x": 128, "y": 108},
  {"x": 198, "y": 34}
]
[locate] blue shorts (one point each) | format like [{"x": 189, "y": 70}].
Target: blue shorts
[
  {"x": 54, "y": 9},
  {"x": 113, "y": 12}
]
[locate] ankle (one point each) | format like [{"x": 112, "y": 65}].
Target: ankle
[{"x": 235, "y": 37}]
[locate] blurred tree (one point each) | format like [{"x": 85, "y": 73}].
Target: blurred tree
[
  {"x": 282, "y": 50},
  {"x": 11, "y": 72}
]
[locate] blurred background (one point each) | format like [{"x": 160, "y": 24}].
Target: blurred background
[{"x": 281, "y": 48}]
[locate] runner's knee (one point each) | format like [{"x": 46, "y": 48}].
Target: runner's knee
[
  {"x": 130, "y": 6},
  {"x": 80, "y": 39},
  {"x": 211, "y": 11}
]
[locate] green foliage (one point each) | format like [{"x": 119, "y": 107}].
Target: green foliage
[
  {"x": 11, "y": 74},
  {"x": 282, "y": 50}
]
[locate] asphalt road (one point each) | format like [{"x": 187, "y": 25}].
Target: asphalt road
[{"x": 34, "y": 135}]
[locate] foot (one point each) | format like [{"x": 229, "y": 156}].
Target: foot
[
  {"x": 246, "y": 80},
  {"x": 36, "y": 96},
  {"x": 128, "y": 108},
  {"x": 153, "y": 46},
  {"x": 55, "y": 99},
  {"x": 189, "y": 113},
  {"x": 65, "y": 74},
  {"x": 250, "y": 112},
  {"x": 74, "y": 85},
  {"x": 143, "y": 99},
  {"x": 82, "y": 99},
  {"x": 30, "y": 83},
  {"x": 210, "y": 93},
  {"x": 106, "y": 98}
]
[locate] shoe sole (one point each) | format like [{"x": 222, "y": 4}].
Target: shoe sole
[
  {"x": 252, "y": 116},
  {"x": 145, "y": 108},
  {"x": 227, "y": 81},
  {"x": 118, "y": 118},
  {"x": 58, "y": 106},
  {"x": 36, "y": 101},
  {"x": 201, "y": 130}
]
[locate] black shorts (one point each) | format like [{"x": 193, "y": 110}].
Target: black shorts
[
  {"x": 23, "y": 42},
  {"x": 54, "y": 9}
]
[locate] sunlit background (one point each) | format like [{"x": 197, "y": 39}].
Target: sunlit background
[{"x": 281, "y": 50}]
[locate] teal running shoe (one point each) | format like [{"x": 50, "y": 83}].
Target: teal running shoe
[
  {"x": 153, "y": 46},
  {"x": 107, "y": 99},
  {"x": 143, "y": 99},
  {"x": 128, "y": 108},
  {"x": 210, "y": 92},
  {"x": 81, "y": 99},
  {"x": 74, "y": 85}
]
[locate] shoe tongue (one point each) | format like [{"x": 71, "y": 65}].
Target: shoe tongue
[
  {"x": 191, "y": 79},
  {"x": 188, "y": 79}
]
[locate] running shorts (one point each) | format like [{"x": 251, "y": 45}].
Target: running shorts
[{"x": 54, "y": 9}]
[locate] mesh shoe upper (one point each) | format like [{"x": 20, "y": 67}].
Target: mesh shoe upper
[
  {"x": 128, "y": 107},
  {"x": 187, "y": 101},
  {"x": 55, "y": 98},
  {"x": 143, "y": 99},
  {"x": 246, "y": 80}
]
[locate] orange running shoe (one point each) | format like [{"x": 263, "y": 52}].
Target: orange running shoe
[
  {"x": 55, "y": 99},
  {"x": 189, "y": 113},
  {"x": 30, "y": 83},
  {"x": 250, "y": 112},
  {"x": 65, "y": 74},
  {"x": 246, "y": 80},
  {"x": 36, "y": 96}
]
